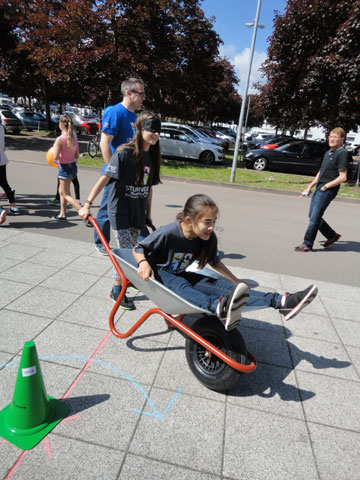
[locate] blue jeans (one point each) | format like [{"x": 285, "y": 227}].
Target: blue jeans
[
  {"x": 319, "y": 203},
  {"x": 144, "y": 233},
  {"x": 102, "y": 218},
  {"x": 205, "y": 292}
]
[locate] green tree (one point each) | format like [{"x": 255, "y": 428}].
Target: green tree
[
  {"x": 81, "y": 50},
  {"x": 312, "y": 67}
]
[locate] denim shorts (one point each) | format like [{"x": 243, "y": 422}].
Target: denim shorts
[{"x": 67, "y": 171}]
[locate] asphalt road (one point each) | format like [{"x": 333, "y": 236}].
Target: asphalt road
[{"x": 256, "y": 230}]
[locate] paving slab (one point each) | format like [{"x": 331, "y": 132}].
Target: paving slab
[
  {"x": 271, "y": 389},
  {"x": 85, "y": 460},
  {"x": 10, "y": 291},
  {"x": 136, "y": 467},
  {"x": 137, "y": 411},
  {"x": 191, "y": 435},
  {"x": 251, "y": 451},
  {"x": 336, "y": 402}
]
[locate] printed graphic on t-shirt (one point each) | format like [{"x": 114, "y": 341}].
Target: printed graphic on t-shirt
[
  {"x": 180, "y": 261},
  {"x": 139, "y": 192},
  {"x": 146, "y": 175},
  {"x": 136, "y": 192}
]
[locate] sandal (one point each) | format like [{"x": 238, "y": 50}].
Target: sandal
[
  {"x": 303, "y": 248},
  {"x": 57, "y": 217}
]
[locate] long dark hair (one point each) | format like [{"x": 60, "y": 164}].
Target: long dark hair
[
  {"x": 194, "y": 208},
  {"x": 136, "y": 144}
]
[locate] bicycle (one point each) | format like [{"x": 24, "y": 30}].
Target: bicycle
[{"x": 93, "y": 147}]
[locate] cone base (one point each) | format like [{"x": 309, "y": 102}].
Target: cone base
[{"x": 27, "y": 439}]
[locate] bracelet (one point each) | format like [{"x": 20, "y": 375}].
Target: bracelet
[
  {"x": 88, "y": 201},
  {"x": 143, "y": 260}
]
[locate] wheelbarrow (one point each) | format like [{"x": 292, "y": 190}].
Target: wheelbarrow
[{"x": 216, "y": 357}]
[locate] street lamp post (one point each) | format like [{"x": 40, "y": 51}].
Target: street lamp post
[
  {"x": 243, "y": 104},
  {"x": 247, "y": 116}
]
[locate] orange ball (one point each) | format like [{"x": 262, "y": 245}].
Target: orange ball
[{"x": 50, "y": 158}]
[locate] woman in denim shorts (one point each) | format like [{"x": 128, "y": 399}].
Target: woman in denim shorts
[{"x": 66, "y": 152}]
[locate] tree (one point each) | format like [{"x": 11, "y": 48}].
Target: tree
[
  {"x": 81, "y": 50},
  {"x": 312, "y": 67}
]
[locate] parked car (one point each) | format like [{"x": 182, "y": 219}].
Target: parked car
[
  {"x": 228, "y": 131},
  {"x": 190, "y": 130},
  {"x": 275, "y": 142},
  {"x": 353, "y": 148},
  {"x": 211, "y": 136},
  {"x": 211, "y": 132},
  {"x": 90, "y": 126},
  {"x": 34, "y": 120},
  {"x": 269, "y": 140},
  {"x": 252, "y": 141},
  {"x": 10, "y": 121},
  {"x": 225, "y": 136},
  {"x": 302, "y": 156},
  {"x": 175, "y": 143}
]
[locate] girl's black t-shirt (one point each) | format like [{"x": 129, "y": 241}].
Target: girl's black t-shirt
[
  {"x": 167, "y": 248},
  {"x": 127, "y": 200}
]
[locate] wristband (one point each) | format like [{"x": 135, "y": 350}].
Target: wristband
[
  {"x": 143, "y": 260},
  {"x": 88, "y": 201}
]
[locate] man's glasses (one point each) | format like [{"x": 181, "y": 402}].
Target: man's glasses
[{"x": 142, "y": 94}]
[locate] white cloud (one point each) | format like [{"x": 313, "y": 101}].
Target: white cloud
[{"x": 241, "y": 64}]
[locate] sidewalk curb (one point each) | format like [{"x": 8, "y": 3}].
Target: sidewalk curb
[
  {"x": 209, "y": 183},
  {"x": 251, "y": 189}
]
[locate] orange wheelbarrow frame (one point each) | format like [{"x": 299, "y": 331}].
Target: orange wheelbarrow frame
[{"x": 171, "y": 321}]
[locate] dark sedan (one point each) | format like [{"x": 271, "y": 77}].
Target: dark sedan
[{"x": 303, "y": 157}]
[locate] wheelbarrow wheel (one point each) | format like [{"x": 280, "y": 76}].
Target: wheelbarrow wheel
[{"x": 208, "y": 368}]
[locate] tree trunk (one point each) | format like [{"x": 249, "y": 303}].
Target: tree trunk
[{"x": 47, "y": 103}]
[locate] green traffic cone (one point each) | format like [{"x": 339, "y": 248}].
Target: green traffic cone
[{"x": 32, "y": 414}]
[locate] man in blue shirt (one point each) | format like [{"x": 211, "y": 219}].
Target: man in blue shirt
[{"x": 117, "y": 128}]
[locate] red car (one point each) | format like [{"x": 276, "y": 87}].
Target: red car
[
  {"x": 275, "y": 142},
  {"x": 90, "y": 126}
]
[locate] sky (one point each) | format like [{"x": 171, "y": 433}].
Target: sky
[{"x": 231, "y": 16}]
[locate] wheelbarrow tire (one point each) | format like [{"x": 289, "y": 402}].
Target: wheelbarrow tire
[{"x": 210, "y": 370}]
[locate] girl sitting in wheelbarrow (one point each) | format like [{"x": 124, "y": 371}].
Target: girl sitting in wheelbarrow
[{"x": 170, "y": 250}]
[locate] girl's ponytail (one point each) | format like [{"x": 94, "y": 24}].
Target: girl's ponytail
[{"x": 67, "y": 121}]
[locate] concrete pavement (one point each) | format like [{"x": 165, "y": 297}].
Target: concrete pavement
[{"x": 136, "y": 411}]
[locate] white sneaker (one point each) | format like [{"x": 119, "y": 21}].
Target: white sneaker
[
  {"x": 3, "y": 214},
  {"x": 14, "y": 211},
  {"x": 101, "y": 249},
  {"x": 232, "y": 306}
]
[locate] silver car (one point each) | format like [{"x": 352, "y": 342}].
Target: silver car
[
  {"x": 177, "y": 144},
  {"x": 34, "y": 120},
  {"x": 194, "y": 132},
  {"x": 10, "y": 121}
]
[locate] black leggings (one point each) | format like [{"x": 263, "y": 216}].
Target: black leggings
[
  {"x": 5, "y": 186},
  {"x": 76, "y": 184}
]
